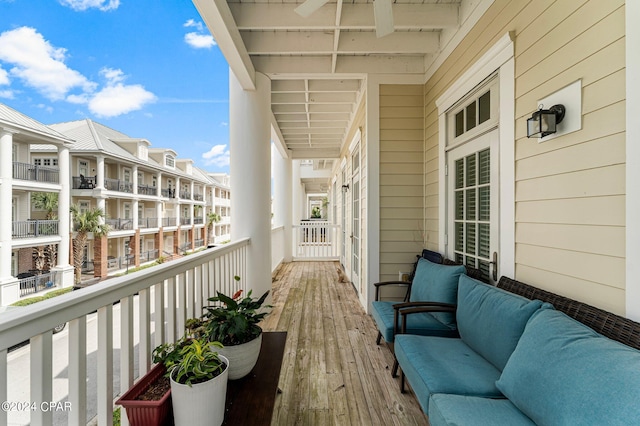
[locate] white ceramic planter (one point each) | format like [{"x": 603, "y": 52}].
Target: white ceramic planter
[
  {"x": 202, "y": 403},
  {"x": 242, "y": 358}
]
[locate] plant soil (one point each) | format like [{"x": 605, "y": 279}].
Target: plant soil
[{"x": 156, "y": 390}]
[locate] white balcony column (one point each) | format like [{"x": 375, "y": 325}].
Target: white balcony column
[
  {"x": 282, "y": 198},
  {"x": 134, "y": 172},
  {"x": 8, "y": 284},
  {"x": 192, "y": 190},
  {"x": 297, "y": 195},
  {"x": 63, "y": 269},
  {"x": 159, "y": 213},
  {"x": 250, "y": 144},
  {"x": 177, "y": 189},
  {"x": 100, "y": 172},
  {"x": 102, "y": 205},
  {"x": 159, "y": 184}
]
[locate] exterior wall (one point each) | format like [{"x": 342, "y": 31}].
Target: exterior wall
[
  {"x": 401, "y": 178},
  {"x": 570, "y": 191}
]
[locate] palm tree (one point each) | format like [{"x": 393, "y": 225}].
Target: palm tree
[
  {"x": 212, "y": 217},
  {"x": 89, "y": 221},
  {"x": 47, "y": 201}
]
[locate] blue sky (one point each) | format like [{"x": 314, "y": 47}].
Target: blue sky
[{"x": 147, "y": 68}]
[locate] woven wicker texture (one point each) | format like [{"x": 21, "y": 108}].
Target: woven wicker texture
[{"x": 609, "y": 325}]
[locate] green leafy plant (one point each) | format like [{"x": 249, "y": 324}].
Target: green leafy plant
[
  {"x": 234, "y": 320},
  {"x": 190, "y": 360}
]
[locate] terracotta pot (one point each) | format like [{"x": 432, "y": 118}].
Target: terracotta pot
[{"x": 146, "y": 413}]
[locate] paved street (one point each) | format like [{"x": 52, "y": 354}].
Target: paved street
[{"x": 19, "y": 376}]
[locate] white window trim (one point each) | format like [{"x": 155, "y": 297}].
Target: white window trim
[{"x": 499, "y": 57}]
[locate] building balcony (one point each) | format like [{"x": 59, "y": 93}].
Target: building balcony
[
  {"x": 168, "y": 193},
  {"x": 169, "y": 221},
  {"x": 185, "y": 195},
  {"x": 198, "y": 220},
  {"x": 147, "y": 190},
  {"x": 33, "y": 282},
  {"x": 185, "y": 221},
  {"x": 83, "y": 182},
  {"x": 34, "y": 228},
  {"x": 198, "y": 197},
  {"x": 29, "y": 172},
  {"x": 148, "y": 256},
  {"x": 118, "y": 185},
  {"x": 120, "y": 224},
  {"x": 142, "y": 310},
  {"x": 147, "y": 222}
]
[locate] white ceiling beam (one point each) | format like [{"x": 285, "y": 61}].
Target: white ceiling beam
[
  {"x": 295, "y": 118},
  {"x": 218, "y": 18},
  {"x": 284, "y": 42},
  {"x": 292, "y": 64},
  {"x": 316, "y": 42},
  {"x": 311, "y": 153},
  {"x": 379, "y": 64},
  {"x": 264, "y": 16},
  {"x": 395, "y": 43},
  {"x": 315, "y": 124},
  {"x": 313, "y": 131},
  {"x": 344, "y": 85}
]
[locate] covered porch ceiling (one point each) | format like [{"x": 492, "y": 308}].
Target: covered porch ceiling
[{"x": 318, "y": 64}]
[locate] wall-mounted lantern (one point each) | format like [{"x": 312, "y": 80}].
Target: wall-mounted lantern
[{"x": 543, "y": 122}]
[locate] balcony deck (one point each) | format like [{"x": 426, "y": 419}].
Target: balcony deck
[{"x": 333, "y": 373}]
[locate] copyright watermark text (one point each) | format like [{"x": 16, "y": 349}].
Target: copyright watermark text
[{"x": 8, "y": 406}]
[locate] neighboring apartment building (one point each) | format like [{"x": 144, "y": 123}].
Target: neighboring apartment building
[
  {"x": 156, "y": 204},
  {"x": 33, "y": 250}
]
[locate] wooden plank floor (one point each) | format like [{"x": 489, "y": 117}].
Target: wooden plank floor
[{"x": 333, "y": 373}]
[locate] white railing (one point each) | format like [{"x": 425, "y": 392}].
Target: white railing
[
  {"x": 315, "y": 240},
  {"x": 164, "y": 297}
]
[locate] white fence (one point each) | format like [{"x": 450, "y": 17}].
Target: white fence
[
  {"x": 167, "y": 295},
  {"x": 316, "y": 240}
]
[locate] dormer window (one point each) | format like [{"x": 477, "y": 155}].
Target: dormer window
[{"x": 169, "y": 161}]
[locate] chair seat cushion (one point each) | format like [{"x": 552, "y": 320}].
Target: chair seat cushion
[
  {"x": 444, "y": 365},
  {"x": 564, "y": 373},
  {"x": 423, "y": 324},
  {"x": 460, "y": 410}
]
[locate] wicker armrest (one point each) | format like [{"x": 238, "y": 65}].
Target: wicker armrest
[
  {"x": 385, "y": 283},
  {"x": 416, "y": 308}
]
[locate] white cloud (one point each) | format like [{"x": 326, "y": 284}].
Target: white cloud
[
  {"x": 6, "y": 94},
  {"x": 39, "y": 64},
  {"x": 199, "y": 41},
  {"x": 194, "y": 24},
  {"x": 80, "y": 5},
  {"x": 4, "y": 77},
  {"x": 218, "y": 156},
  {"x": 117, "y": 98}
]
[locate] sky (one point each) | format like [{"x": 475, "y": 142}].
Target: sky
[{"x": 147, "y": 68}]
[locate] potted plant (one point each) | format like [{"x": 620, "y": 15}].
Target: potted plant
[
  {"x": 148, "y": 401},
  {"x": 198, "y": 382},
  {"x": 233, "y": 321}
]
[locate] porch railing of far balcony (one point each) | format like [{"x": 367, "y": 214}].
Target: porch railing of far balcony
[{"x": 165, "y": 296}]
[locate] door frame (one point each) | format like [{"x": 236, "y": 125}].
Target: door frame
[{"x": 500, "y": 58}]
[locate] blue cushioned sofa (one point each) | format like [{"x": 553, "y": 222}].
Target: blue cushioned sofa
[{"x": 522, "y": 362}]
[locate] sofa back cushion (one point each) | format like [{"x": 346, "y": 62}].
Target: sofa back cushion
[
  {"x": 562, "y": 372},
  {"x": 490, "y": 320},
  {"x": 436, "y": 283}
]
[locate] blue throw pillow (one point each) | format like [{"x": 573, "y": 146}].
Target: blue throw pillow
[
  {"x": 491, "y": 320},
  {"x": 436, "y": 283},
  {"x": 564, "y": 373}
]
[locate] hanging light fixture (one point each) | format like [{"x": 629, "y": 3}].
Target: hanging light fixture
[{"x": 543, "y": 121}]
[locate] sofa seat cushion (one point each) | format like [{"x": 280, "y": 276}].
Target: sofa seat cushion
[
  {"x": 444, "y": 365},
  {"x": 460, "y": 410},
  {"x": 491, "y": 320},
  {"x": 437, "y": 283},
  {"x": 423, "y": 324},
  {"x": 564, "y": 373}
]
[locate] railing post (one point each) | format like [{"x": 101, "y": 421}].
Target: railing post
[
  {"x": 4, "y": 396},
  {"x": 105, "y": 365},
  {"x": 144, "y": 347},
  {"x": 126, "y": 350},
  {"x": 78, "y": 370},
  {"x": 41, "y": 374}
]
